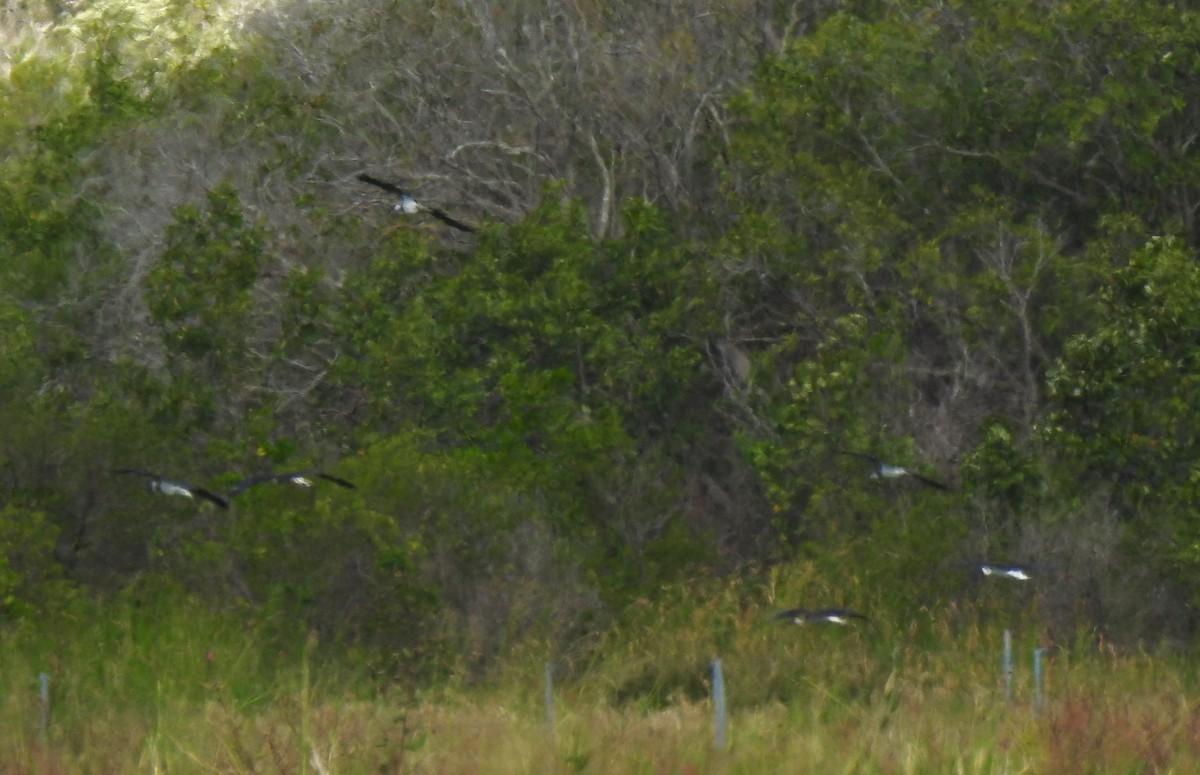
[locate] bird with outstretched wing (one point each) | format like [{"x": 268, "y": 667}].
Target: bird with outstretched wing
[
  {"x": 298, "y": 478},
  {"x": 1002, "y": 570},
  {"x": 841, "y": 616},
  {"x": 409, "y": 205},
  {"x": 166, "y": 486},
  {"x": 882, "y": 470}
]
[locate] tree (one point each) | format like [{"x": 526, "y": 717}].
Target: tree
[{"x": 1124, "y": 393}]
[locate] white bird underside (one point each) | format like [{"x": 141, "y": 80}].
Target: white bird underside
[
  {"x": 1012, "y": 573},
  {"x": 170, "y": 488},
  {"x": 822, "y": 616},
  {"x": 410, "y": 206},
  {"x": 163, "y": 486},
  {"x": 881, "y": 470}
]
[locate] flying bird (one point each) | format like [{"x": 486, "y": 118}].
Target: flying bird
[
  {"x": 159, "y": 484},
  {"x": 882, "y": 470},
  {"x": 411, "y": 206},
  {"x": 299, "y": 478},
  {"x": 1002, "y": 570},
  {"x": 820, "y": 616}
]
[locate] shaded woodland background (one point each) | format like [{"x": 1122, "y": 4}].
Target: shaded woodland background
[{"x": 719, "y": 244}]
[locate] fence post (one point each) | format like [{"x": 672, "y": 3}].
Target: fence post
[
  {"x": 44, "y": 702},
  {"x": 550, "y": 697},
  {"x": 1037, "y": 678},
  {"x": 1008, "y": 665},
  {"x": 718, "y": 694}
]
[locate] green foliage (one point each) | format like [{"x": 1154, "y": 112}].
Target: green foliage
[
  {"x": 659, "y": 653},
  {"x": 153, "y": 677},
  {"x": 58, "y": 111},
  {"x": 926, "y": 103},
  {"x": 20, "y": 365},
  {"x": 200, "y": 291},
  {"x": 540, "y": 338},
  {"x": 557, "y": 360},
  {"x": 907, "y": 246},
  {"x": 1125, "y": 394},
  {"x": 323, "y": 559},
  {"x": 201, "y": 296},
  {"x": 998, "y": 469},
  {"x": 924, "y": 208},
  {"x": 305, "y": 304},
  {"x": 817, "y": 417},
  {"x": 30, "y": 579},
  {"x": 470, "y": 544}
]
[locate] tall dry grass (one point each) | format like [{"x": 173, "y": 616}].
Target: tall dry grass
[{"x": 156, "y": 683}]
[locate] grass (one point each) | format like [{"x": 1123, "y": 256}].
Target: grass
[{"x": 156, "y": 683}]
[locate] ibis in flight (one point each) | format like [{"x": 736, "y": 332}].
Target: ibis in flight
[
  {"x": 819, "y": 616},
  {"x": 298, "y": 478},
  {"x": 882, "y": 470},
  {"x": 1003, "y": 570},
  {"x": 166, "y": 486},
  {"x": 411, "y": 206}
]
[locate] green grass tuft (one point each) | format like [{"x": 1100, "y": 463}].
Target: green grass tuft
[{"x": 152, "y": 681}]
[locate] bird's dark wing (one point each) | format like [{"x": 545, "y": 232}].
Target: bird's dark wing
[
  {"x": 136, "y": 472},
  {"x": 436, "y": 213},
  {"x": 446, "y": 219},
  {"x": 249, "y": 482},
  {"x": 876, "y": 463},
  {"x": 389, "y": 187},
  {"x": 791, "y": 613},
  {"x": 928, "y": 481},
  {"x": 336, "y": 480},
  {"x": 286, "y": 478},
  {"x": 879, "y": 465},
  {"x": 200, "y": 492}
]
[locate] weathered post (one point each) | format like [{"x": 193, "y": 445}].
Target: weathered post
[
  {"x": 718, "y": 694},
  {"x": 1008, "y": 665},
  {"x": 44, "y": 702},
  {"x": 1037, "y": 678},
  {"x": 550, "y": 698}
]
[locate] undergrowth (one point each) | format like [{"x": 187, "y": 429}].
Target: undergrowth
[{"x": 152, "y": 681}]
